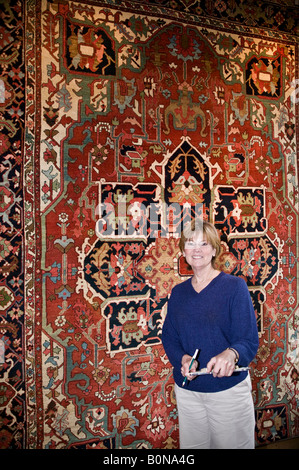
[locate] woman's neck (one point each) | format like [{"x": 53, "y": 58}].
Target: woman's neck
[
  {"x": 202, "y": 274},
  {"x": 203, "y": 277}
]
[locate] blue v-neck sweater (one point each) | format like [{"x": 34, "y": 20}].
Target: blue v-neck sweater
[{"x": 218, "y": 317}]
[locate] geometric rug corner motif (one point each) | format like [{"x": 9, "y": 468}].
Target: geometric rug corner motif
[{"x": 133, "y": 120}]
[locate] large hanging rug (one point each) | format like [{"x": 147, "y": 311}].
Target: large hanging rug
[{"x": 118, "y": 122}]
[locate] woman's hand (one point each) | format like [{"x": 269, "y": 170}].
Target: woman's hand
[
  {"x": 186, "y": 360},
  {"x": 222, "y": 365}
]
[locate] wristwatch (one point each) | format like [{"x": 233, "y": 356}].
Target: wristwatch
[{"x": 236, "y": 354}]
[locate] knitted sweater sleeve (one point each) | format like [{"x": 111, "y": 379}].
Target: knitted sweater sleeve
[
  {"x": 170, "y": 337},
  {"x": 244, "y": 335}
]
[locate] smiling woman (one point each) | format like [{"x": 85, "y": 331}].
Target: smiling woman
[
  {"x": 202, "y": 233},
  {"x": 205, "y": 313},
  {"x": 200, "y": 245}
]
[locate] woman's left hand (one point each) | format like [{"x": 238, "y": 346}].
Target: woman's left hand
[{"x": 222, "y": 365}]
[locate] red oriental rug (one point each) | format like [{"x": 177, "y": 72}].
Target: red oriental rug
[{"x": 123, "y": 120}]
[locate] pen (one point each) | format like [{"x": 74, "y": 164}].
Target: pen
[{"x": 191, "y": 363}]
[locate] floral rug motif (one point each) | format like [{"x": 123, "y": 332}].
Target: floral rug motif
[{"x": 119, "y": 122}]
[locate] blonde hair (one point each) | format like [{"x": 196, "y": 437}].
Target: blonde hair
[{"x": 207, "y": 229}]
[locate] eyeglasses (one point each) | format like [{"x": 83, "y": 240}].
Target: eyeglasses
[{"x": 190, "y": 244}]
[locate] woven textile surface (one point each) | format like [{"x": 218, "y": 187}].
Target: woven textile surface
[{"x": 119, "y": 121}]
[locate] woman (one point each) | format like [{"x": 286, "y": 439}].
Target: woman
[{"x": 211, "y": 312}]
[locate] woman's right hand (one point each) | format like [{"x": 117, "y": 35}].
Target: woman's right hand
[{"x": 186, "y": 361}]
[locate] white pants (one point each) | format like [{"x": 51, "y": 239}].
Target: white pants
[{"x": 220, "y": 420}]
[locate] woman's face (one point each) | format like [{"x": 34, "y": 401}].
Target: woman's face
[{"x": 198, "y": 252}]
